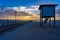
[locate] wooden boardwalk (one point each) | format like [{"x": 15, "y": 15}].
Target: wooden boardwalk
[
  {"x": 31, "y": 31},
  {"x": 10, "y": 26}
]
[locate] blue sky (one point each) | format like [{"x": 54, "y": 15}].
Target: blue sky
[
  {"x": 27, "y": 3},
  {"x": 30, "y": 6}
]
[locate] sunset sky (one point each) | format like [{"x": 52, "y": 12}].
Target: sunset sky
[
  {"x": 29, "y": 6},
  {"x": 27, "y": 3}
]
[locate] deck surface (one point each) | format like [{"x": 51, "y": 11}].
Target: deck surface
[{"x": 31, "y": 31}]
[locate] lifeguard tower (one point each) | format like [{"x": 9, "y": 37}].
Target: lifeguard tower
[{"x": 47, "y": 11}]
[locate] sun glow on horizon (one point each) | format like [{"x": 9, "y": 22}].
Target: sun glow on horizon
[
  {"x": 22, "y": 18},
  {"x": 33, "y": 17}
]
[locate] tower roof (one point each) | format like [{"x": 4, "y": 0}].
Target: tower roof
[{"x": 45, "y": 5}]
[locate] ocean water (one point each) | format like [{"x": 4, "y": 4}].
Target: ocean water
[
  {"x": 9, "y": 22},
  {"x": 57, "y": 23}
]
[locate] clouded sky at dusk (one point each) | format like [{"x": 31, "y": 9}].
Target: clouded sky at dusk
[
  {"x": 26, "y": 3},
  {"x": 29, "y": 6}
]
